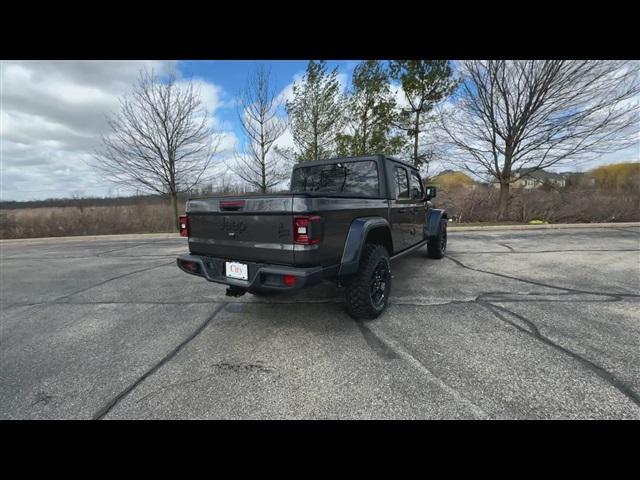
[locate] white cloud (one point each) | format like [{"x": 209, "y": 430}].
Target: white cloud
[
  {"x": 286, "y": 94},
  {"x": 227, "y": 143},
  {"x": 344, "y": 81},
  {"x": 285, "y": 141},
  {"x": 53, "y": 114},
  {"x": 398, "y": 93},
  {"x": 631, "y": 154},
  {"x": 212, "y": 95}
]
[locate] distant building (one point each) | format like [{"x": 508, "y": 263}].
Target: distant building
[
  {"x": 574, "y": 179},
  {"x": 532, "y": 178}
]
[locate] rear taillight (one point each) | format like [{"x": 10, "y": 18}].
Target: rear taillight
[
  {"x": 184, "y": 226},
  {"x": 306, "y": 230},
  {"x": 191, "y": 266},
  {"x": 289, "y": 280}
]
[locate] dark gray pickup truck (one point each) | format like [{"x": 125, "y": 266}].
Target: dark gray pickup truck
[{"x": 343, "y": 220}]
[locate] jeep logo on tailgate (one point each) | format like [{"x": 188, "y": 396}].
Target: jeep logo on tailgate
[{"x": 232, "y": 226}]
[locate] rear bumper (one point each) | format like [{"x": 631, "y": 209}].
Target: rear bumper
[{"x": 261, "y": 276}]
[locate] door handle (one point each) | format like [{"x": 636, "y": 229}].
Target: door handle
[{"x": 402, "y": 210}]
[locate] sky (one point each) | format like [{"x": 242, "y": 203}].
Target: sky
[{"x": 53, "y": 114}]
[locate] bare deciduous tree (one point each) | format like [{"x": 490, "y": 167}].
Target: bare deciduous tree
[
  {"x": 159, "y": 141},
  {"x": 533, "y": 114},
  {"x": 258, "y": 112}
]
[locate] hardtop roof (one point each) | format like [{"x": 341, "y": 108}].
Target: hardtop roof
[{"x": 350, "y": 159}]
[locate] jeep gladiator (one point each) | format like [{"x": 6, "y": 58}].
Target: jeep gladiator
[{"x": 343, "y": 220}]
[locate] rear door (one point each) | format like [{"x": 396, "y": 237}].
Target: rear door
[
  {"x": 253, "y": 228},
  {"x": 402, "y": 217}
]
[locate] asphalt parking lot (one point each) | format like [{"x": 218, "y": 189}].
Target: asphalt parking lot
[{"x": 537, "y": 324}]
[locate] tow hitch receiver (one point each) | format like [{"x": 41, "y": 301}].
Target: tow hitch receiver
[{"x": 235, "y": 291}]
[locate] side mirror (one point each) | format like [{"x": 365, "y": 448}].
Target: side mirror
[{"x": 429, "y": 193}]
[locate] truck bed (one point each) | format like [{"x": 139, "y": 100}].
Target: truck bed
[{"x": 259, "y": 228}]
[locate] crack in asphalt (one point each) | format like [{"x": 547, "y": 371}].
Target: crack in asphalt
[
  {"x": 540, "y": 284},
  {"x": 507, "y": 246},
  {"x": 224, "y": 366},
  {"x": 628, "y": 231},
  {"x": 146, "y": 269},
  {"x": 375, "y": 343},
  {"x": 60, "y": 300},
  {"x": 175, "y": 384},
  {"x": 100, "y": 254},
  {"x": 399, "y": 352},
  {"x": 534, "y": 332},
  {"x": 492, "y": 296},
  {"x": 177, "y": 302},
  {"x": 383, "y": 348},
  {"x": 102, "y": 412},
  {"x": 42, "y": 397},
  {"x": 520, "y": 297}
]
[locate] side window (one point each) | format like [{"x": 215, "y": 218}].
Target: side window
[
  {"x": 402, "y": 183},
  {"x": 417, "y": 192}
]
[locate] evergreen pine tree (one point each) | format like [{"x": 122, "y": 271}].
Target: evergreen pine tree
[
  {"x": 425, "y": 83},
  {"x": 316, "y": 113},
  {"x": 370, "y": 111}
]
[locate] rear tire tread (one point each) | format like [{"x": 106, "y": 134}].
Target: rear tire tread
[{"x": 357, "y": 293}]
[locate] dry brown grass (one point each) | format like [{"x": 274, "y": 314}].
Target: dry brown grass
[
  {"x": 569, "y": 205},
  {"x": 68, "y": 221},
  {"x": 469, "y": 205}
]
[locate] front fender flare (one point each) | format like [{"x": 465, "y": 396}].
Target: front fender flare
[{"x": 432, "y": 223}]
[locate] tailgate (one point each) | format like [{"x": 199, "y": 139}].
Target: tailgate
[{"x": 253, "y": 228}]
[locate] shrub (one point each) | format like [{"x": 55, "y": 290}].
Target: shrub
[
  {"x": 450, "y": 180},
  {"x": 572, "y": 205},
  {"x": 619, "y": 177}
]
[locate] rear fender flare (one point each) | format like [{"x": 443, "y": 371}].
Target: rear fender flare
[{"x": 355, "y": 242}]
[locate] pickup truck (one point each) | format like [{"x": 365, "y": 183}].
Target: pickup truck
[{"x": 343, "y": 220}]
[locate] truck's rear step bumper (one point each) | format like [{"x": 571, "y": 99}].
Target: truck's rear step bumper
[{"x": 261, "y": 276}]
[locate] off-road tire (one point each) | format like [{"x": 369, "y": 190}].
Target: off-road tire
[
  {"x": 437, "y": 246},
  {"x": 358, "y": 289}
]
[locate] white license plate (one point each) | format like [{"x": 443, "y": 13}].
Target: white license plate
[{"x": 236, "y": 270}]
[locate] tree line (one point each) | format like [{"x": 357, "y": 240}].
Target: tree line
[
  {"x": 326, "y": 121},
  {"x": 491, "y": 118}
]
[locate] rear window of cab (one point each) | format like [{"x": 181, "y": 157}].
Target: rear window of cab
[{"x": 352, "y": 178}]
